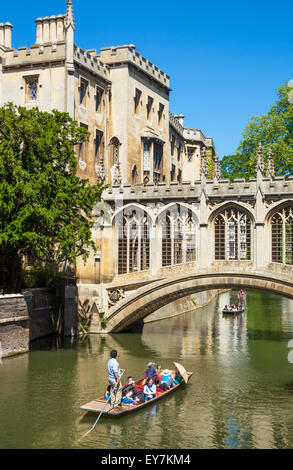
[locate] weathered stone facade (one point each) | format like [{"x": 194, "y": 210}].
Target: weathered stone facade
[
  {"x": 172, "y": 215},
  {"x": 117, "y": 94},
  {"x": 14, "y": 325}
]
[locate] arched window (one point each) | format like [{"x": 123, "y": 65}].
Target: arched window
[
  {"x": 133, "y": 243},
  {"x": 232, "y": 235},
  {"x": 178, "y": 236},
  {"x": 114, "y": 150},
  {"x": 282, "y": 236},
  {"x": 134, "y": 175}
]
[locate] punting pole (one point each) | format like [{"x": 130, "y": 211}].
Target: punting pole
[{"x": 96, "y": 422}]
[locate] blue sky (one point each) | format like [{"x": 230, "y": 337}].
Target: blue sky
[{"x": 225, "y": 59}]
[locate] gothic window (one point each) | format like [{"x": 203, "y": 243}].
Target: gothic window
[
  {"x": 173, "y": 169},
  {"x": 172, "y": 146},
  {"x": 133, "y": 243},
  {"x": 83, "y": 90},
  {"x": 149, "y": 105},
  {"x": 137, "y": 99},
  {"x": 178, "y": 236},
  {"x": 232, "y": 235},
  {"x": 189, "y": 155},
  {"x": 98, "y": 146},
  {"x": 134, "y": 175},
  {"x": 158, "y": 157},
  {"x": 282, "y": 236},
  {"x": 99, "y": 99},
  {"x": 82, "y": 150},
  {"x": 160, "y": 112},
  {"x": 31, "y": 89},
  {"x": 114, "y": 144},
  {"x": 146, "y": 156}
]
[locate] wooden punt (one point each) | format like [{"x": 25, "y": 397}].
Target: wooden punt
[
  {"x": 230, "y": 312},
  {"x": 98, "y": 405}
]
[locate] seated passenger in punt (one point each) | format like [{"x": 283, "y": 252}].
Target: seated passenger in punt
[
  {"x": 150, "y": 390},
  {"x": 151, "y": 371},
  {"x": 130, "y": 389},
  {"x": 131, "y": 393},
  {"x": 178, "y": 377},
  {"x": 161, "y": 387},
  {"x": 167, "y": 378}
]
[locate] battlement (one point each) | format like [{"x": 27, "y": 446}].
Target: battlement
[
  {"x": 198, "y": 136},
  {"x": 128, "y": 54},
  {"x": 238, "y": 189},
  {"x": 176, "y": 124},
  {"x": 41, "y": 53},
  {"x": 89, "y": 60}
]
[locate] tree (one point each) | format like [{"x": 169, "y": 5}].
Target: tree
[
  {"x": 274, "y": 130},
  {"x": 45, "y": 208}
]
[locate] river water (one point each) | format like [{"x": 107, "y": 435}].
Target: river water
[{"x": 240, "y": 394}]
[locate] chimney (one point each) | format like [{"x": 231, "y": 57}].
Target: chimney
[
  {"x": 50, "y": 29},
  {"x": 180, "y": 118},
  {"x": 5, "y": 34}
]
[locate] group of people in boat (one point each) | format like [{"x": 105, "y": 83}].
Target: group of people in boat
[
  {"x": 236, "y": 308},
  {"x": 233, "y": 308},
  {"x": 156, "y": 381}
]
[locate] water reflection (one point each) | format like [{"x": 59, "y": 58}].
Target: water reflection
[{"x": 240, "y": 395}]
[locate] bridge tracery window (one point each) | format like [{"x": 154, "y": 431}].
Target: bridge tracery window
[
  {"x": 133, "y": 243},
  {"x": 178, "y": 237},
  {"x": 232, "y": 235},
  {"x": 282, "y": 236}
]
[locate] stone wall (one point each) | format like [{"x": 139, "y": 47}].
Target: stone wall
[
  {"x": 14, "y": 325},
  {"x": 35, "y": 314},
  {"x": 184, "y": 305},
  {"x": 43, "y": 311}
]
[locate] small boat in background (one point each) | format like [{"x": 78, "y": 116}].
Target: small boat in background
[
  {"x": 233, "y": 312},
  {"x": 98, "y": 405}
]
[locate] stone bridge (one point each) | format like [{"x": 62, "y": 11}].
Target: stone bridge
[
  {"x": 163, "y": 242},
  {"x": 147, "y": 299}
]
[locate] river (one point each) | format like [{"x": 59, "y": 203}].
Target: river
[{"x": 240, "y": 394}]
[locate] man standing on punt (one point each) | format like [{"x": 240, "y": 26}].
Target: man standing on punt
[{"x": 114, "y": 379}]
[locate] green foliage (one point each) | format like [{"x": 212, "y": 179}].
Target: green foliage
[
  {"x": 41, "y": 275},
  {"x": 274, "y": 130},
  {"x": 210, "y": 160},
  {"x": 45, "y": 208},
  {"x": 103, "y": 320}
]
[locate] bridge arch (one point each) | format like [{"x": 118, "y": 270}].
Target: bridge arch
[{"x": 154, "y": 296}]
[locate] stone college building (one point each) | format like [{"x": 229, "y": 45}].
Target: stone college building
[{"x": 170, "y": 211}]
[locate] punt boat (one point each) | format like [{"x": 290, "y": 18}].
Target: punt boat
[
  {"x": 99, "y": 405},
  {"x": 231, "y": 312}
]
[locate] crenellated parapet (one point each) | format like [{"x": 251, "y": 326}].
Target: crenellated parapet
[
  {"x": 196, "y": 135},
  {"x": 128, "y": 54},
  {"x": 224, "y": 189},
  {"x": 37, "y": 54},
  {"x": 89, "y": 61},
  {"x": 174, "y": 122}
]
